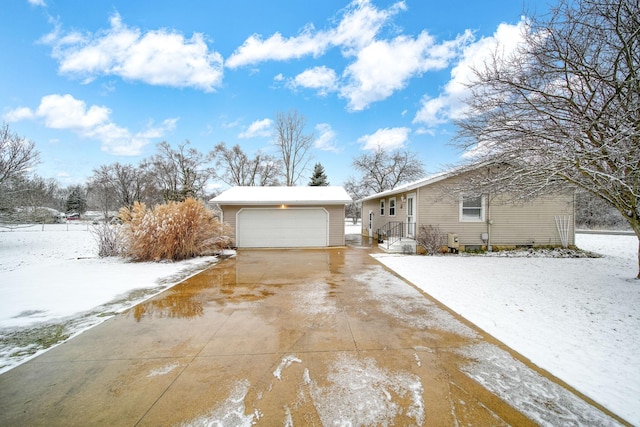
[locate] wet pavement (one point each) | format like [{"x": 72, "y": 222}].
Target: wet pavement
[{"x": 292, "y": 338}]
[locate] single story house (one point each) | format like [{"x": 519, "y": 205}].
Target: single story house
[
  {"x": 469, "y": 220},
  {"x": 282, "y": 217}
]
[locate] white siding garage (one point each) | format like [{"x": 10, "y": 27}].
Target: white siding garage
[{"x": 282, "y": 228}]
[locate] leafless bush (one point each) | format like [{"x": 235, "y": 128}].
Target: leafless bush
[
  {"x": 107, "y": 238},
  {"x": 432, "y": 239},
  {"x": 175, "y": 230}
]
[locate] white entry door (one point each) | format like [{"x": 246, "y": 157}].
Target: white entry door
[{"x": 411, "y": 215}]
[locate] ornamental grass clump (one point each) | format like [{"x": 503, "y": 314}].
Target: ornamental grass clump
[{"x": 172, "y": 231}]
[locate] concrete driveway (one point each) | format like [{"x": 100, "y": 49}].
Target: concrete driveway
[{"x": 280, "y": 337}]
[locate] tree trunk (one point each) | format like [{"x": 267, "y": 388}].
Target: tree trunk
[{"x": 635, "y": 226}]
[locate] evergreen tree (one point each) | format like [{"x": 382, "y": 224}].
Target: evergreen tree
[
  {"x": 319, "y": 178},
  {"x": 76, "y": 201}
]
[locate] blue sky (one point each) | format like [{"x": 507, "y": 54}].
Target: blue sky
[{"x": 97, "y": 82}]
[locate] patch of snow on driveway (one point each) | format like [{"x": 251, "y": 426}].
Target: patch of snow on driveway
[{"x": 362, "y": 394}]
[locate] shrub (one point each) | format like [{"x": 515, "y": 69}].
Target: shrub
[
  {"x": 107, "y": 239},
  {"x": 432, "y": 239},
  {"x": 175, "y": 231}
]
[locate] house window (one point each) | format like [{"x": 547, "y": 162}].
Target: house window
[
  {"x": 392, "y": 206},
  {"x": 472, "y": 208},
  {"x": 382, "y": 207}
]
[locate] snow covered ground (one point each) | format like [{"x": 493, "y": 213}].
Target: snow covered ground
[
  {"x": 577, "y": 318},
  {"x": 53, "y": 286}
]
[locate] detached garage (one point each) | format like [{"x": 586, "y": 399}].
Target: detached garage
[{"x": 284, "y": 217}]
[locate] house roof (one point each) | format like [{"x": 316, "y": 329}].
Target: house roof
[
  {"x": 432, "y": 179},
  {"x": 324, "y": 195},
  {"x": 410, "y": 186}
]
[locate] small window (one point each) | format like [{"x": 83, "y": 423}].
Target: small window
[
  {"x": 392, "y": 206},
  {"x": 472, "y": 209},
  {"x": 382, "y": 207}
]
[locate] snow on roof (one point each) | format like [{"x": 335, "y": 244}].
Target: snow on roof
[
  {"x": 427, "y": 181},
  {"x": 329, "y": 195},
  {"x": 410, "y": 186}
]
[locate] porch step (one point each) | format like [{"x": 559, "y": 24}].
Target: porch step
[{"x": 402, "y": 246}]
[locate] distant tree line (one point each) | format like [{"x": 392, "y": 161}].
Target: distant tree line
[{"x": 177, "y": 173}]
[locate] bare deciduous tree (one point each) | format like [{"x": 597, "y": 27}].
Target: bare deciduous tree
[
  {"x": 383, "y": 170},
  {"x": 182, "y": 173},
  {"x": 17, "y": 154},
  {"x": 356, "y": 191},
  {"x": 238, "y": 169},
  {"x": 565, "y": 107},
  {"x": 594, "y": 213},
  {"x": 117, "y": 185},
  {"x": 293, "y": 144},
  {"x": 28, "y": 198}
]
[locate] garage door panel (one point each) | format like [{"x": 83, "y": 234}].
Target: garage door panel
[{"x": 282, "y": 227}]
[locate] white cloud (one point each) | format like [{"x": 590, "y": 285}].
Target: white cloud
[
  {"x": 37, "y": 3},
  {"x": 387, "y": 138},
  {"x": 278, "y": 48},
  {"x": 68, "y": 113},
  {"x": 450, "y": 103},
  {"x": 384, "y": 67},
  {"x": 18, "y": 114},
  {"x": 360, "y": 23},
  {"x": 259, "y": 128},
  {"x": 159, "y": 131},
  {"x": 378, "y": 67},
  {"x": 326, "y": 140},
  {"x": 159, "y": 57},
  {"x": 322, "y": 79}
]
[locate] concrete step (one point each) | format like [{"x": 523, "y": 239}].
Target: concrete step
[{"x": 402, "y": 246}]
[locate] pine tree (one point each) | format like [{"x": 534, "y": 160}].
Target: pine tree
[
  {"x": 319, "y": 178},
  {"x": 76, "y": 201}
]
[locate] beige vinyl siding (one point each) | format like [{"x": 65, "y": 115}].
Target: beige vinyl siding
[
  {"x": 380, "y": 221},
  {"x": 229, "y": 218},
  {"x": 512, "y": 224},
  {"x": 336, "y": 221},
  {"x": 336, "y": 225},
  {"x": 437, "y": 207},
  {"x": 531, "y": 223}
]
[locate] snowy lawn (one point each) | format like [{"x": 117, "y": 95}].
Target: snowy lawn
[
  {"x": 577, "y": 318},
  {"x": 53, "y": 286}
]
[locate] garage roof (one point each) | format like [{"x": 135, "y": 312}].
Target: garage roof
[{"x": 330, "y": 195}]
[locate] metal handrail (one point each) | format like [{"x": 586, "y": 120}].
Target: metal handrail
[{"x": 396, "y": 230}]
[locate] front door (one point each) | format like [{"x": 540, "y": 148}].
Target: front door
[
  {"x": 370, "y": 224},
  {"x": 411, "y": 215}
]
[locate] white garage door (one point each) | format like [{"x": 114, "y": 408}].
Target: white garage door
[{"x": 282, "y": 228}]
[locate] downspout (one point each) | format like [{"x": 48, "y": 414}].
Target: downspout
[{"x": 489, "y": 223}]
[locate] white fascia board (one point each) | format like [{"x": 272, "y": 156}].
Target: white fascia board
[{"x": 245, "y": 196}]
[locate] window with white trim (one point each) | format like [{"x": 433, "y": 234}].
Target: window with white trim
[
  {"x": 471, "y": 208},
  {"x": 382, "y": 207},
  {"x": 392, "y": 206}
]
